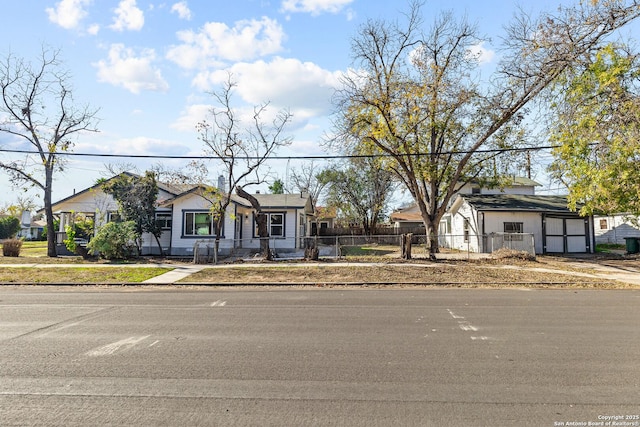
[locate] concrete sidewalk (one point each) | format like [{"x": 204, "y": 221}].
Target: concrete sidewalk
[{"x": 175, "y": 275}]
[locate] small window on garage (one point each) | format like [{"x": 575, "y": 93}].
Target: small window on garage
[
  {"x": 603, "y": 224},
  {"x": 512, "y": 229}
]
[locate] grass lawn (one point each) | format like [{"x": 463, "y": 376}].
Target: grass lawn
[
  {"x": 79, "y": 275},
  {"x": 369, "y": 250},
  {"x": 34, "y": 249}
]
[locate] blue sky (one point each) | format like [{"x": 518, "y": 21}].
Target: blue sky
[{"x": 149, "y": 64}]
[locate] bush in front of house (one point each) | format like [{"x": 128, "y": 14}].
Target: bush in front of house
[
  {"x": 115, "y": 240},
  {"x": 11, "y": 247},
  {"x": 9, "y": 227}
]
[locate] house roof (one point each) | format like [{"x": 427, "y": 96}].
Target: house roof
[
  {"x": 408, "y": 214},
  {"x": 169, "y": 188},
  {"x": 267, "y": 201},
  {"x": 523, "y": 181},
  {"x": 515, "y": 202}
]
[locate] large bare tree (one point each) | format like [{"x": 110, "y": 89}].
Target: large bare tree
[
  {"x": 309, "y": 178},
  {"x": 38, "y": 108},
  {"x": 240, "y": 149},
  {"x": 421, "y": 99}
]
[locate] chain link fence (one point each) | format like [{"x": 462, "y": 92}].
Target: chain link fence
[{"x": 383, "y": 246}]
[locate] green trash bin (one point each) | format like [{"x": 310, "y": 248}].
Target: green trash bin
[{"x": 633, "y": 246}]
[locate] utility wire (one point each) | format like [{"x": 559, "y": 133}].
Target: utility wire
[{"x": 319, "y": 157}]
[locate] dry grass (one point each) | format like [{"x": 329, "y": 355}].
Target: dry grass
[{"x": 408, "y": 275}]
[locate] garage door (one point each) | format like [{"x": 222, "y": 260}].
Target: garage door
[{"x": 566, "y": 235}]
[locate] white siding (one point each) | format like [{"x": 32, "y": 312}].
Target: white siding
[
  {"x": 457, "y": 238},
  {"x": 615, "y": 229},
  {"x": 181, "y": 245},
  {"x": 518, "y": 189},
  {"x": 531, "y": 223}
]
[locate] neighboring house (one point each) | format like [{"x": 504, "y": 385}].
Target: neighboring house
[
  {"x": 517, "y": 185},
  {"x": 289, "y": 219},
  {"x": 480, "y": 219},
  {"x": 409, "y": 217},
  {"x": 95, "y": 204},
  {"x": 473, "y": 219},
  {"x": 30, "y": 229},
  {"x": 186, "y": 219},
  {"x": 325, "y": 220},
  {"x": 614, "y": 228}
]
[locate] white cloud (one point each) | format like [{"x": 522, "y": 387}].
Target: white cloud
[
  {"x": 483, "y": 55},
  {"x": 93, "y": 29},
  {"x": 68, "y": 13},
  {"x": 137, "y": 145},
  {"x": 216, "y": 43},
  {"x": 134, "y": 73},
  {"x": 182, "y": 10},
  {"x": 190, "y": 117},
  {"x": 285, "y": 82},
  {"x": 314, "y": 7},
  {"x": 128, "y": 17},
  {"x": 303, "y": 88}
]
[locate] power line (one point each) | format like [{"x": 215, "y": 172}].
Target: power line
[{"x": 319, "y": 157}]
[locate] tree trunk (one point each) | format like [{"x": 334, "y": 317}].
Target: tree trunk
[
  {"x": 51, "y": 232},
  {"x": 406, "y": 245},
  {"x": 311, "y": 251},
  {"x": 159, "y": 245},
  {"x": 261, "y": 222},
  {"x": 434, "y": 245}
]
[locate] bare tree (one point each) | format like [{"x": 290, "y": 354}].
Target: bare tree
[
  {"x": 242, "y": 150},
  {"x": 420, "y": 98},
  {"x": 38, "y": 108},
  {"x": 309, "y": 178}
]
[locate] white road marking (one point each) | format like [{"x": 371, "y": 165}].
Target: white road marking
[
  {"x": 154, "y": 343},
  {"x": 121, "y": 345},
  {"x": 466, "y": 326},
  {"x": 455, "y": 316},
  {"x": 219, "y": 303}
]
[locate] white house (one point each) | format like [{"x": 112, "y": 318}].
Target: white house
[
  {"x": 480, "y": 219},
  {"x": 186, "y": 219},
  {"x": 289, "y": 219},
  {"x": 476, "y": 220},
  {"x": 614, "y": 228},
  {"x": 409, "y": 217}
]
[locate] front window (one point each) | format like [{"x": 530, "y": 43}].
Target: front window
[
  {"x": 114, "y": 217},
  {"x": 164, "y": 221},
  {"x": 199, "y": 224},
  {"x": 275, "y": 225},
  {"x": 603, "y": 224}
]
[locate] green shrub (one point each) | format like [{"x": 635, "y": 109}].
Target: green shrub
[
  {"x": 9, "y": 227},
  {"x": 11, "y": 247},
  {"x": 115, "y": 240},
  {"x": 70, "y": 241}
]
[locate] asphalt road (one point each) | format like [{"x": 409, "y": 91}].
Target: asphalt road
[{"x": 296, "y": 357}]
